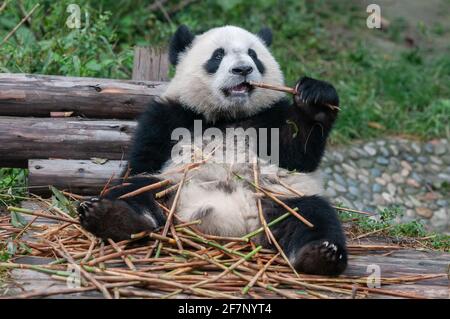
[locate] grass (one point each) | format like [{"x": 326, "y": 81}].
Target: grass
[
  {"x": 385, "y": 86},
  {"x": 386, "y": 223}
]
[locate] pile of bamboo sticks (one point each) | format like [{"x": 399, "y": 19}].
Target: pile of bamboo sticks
[{"x": 179, "y": 259}]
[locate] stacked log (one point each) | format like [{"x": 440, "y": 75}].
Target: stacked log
[
  {"x": 54, "y": 125},
  {"x": 86, "y": 177},
  {"x": 24, "y": 138},
  {"x": 39, "y": 95}
]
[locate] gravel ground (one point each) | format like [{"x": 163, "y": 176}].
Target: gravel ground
[{"x": 412, "y": 175}]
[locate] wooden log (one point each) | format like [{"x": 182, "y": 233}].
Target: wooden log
[
  {"x": 38, "y": 95},
  {"x": 150, "y": 64},
  {"x": 67, "y": 138},
  {"x": 84, "y": 177}
]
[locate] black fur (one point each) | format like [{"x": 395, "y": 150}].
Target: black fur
[
  {"x": 152, "y": 141},
  {"x": 182, "y": 39},
  {"x": 266, "y": 35},
  {"x": 257, "y": 61},
  {"x": 212, "y": 65}
]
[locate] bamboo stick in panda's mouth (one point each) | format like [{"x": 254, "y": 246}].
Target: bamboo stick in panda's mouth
[
  {"x": 285, "y": 89},
  {"x": 273, "y": 87}
]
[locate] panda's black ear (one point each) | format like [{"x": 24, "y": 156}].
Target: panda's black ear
[
  {"x": 266, "y": 35},
  {"x": 182, "y": 38}
]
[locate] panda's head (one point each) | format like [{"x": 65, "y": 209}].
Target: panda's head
[{"x": 213, "y": 70}]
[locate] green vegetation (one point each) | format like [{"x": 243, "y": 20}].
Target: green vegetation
[
  {"x": 12, "y": 182},
  {"x": 386, "y": 86},
  {"x": 386, "y": 223}
]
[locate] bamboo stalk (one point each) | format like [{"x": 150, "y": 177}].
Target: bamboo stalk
[
  {"x": 146, "y": 189},
  {"x": 126, "y": 259},
  {"x": 258, "y": 202},
  {"x": 258, "y": 274},
  {"x": 37, "y": 213},
  {"x": 64, "y": 253},
  {"x": 172, "y": 211}
]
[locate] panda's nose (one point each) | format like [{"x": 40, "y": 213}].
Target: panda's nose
[{"x": 242, "y": 70}]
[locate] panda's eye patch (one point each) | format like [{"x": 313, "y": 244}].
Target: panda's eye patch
[
  {"x": 218, "y": 54},
  {"x": 257, "y": 62},
  {"x": 252, "y": 54},
  {"x": 212, "y": 65}
]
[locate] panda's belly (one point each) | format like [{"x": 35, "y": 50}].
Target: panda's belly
[{"x": 216, "y": 191}]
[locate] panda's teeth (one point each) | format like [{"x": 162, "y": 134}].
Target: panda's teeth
[{"x": 239, "y": 88}]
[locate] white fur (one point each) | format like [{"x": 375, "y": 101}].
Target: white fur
[{"x": 200, "y": 91}]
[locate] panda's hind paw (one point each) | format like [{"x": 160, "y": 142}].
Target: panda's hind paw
[
  {"x": 321, "y": 257},
  {"x": 111, "y": 218}
]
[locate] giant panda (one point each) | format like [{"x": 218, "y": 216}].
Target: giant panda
[{"x": 211, "y": 91}]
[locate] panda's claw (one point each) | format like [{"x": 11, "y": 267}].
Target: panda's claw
[{"x": 321, "y": 258}]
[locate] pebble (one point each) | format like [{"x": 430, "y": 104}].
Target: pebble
[
  {"x": 422, "y": 159},
  {"x": 386, "y": 177},
  {"x": 354, "y": 191},
  {"x": 404, "y": 172},
  {"x": 387, "y": 197},
  {"x": 339, "y": 179},
  {"x": 374, "y": 175},
  {"x": 391, "y": 189},
  {"x": 363, "y": 178},
  {"x": 353, "y": 154},
  {"x": 412, "y": 182},
  {"x": 394, "y": 150},
  {"x": 340, "y": 188},
  {"x": 377, "y": 188},
  {"x": 338, "y": 157},
  {"x": 415, "y": 147},
  {"x": 436, "y": 160},
  {"x": 375, "y": 172},
  {"x": 424, "y": 212},
  {"x": 380, "y": 181},
  {"x": 330, "y": 192},
  {"x": 382, "y": 160},
  {"x": 440, "y": 149},
  {"x": 442, "y": 203},
  {"x": 429, "y": 148},
  {"x": 406, "y": 165},
  {"x": 397, "y": 178},
  {"x": 440, "y": 220},
  {"x": 384, "y": 151},
  {"x": 370, "y": 150}
]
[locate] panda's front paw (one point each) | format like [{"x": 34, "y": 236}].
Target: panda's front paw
[
  {"x": 321, "y": 257},
  {"x": 318, "y": 99}
]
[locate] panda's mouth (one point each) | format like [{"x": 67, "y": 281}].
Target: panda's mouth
[{"x": 241, "y": 89}]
